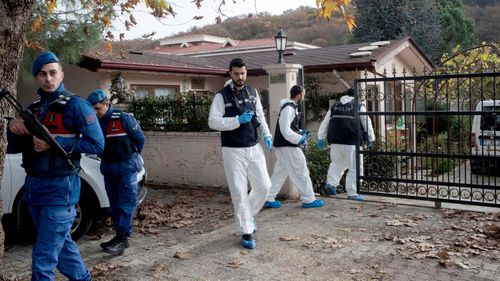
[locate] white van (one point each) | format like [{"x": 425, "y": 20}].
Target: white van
[{"x": 485, "y": 138}]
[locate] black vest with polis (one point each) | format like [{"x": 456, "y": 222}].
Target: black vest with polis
[
  {"x": 118, "y": 146},
  {"x": 343, "y": 125},
  {"x": 279, "y": 139},
  {"x": 236, "y": 103},
  {"x": 50, "y": 163}
]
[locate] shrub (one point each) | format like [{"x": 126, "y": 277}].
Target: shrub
[
  {"x": 186, "y": 112},
  {"x": 440, "y": 145}
]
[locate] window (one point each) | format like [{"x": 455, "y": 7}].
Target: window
[
  {"x": 491, "y": 122},
  {"x": 142, "y": 91},
  {"x": 198, "y": 83}
]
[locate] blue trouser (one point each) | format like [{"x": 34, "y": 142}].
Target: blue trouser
[
  {"x": 54, "y": 246},
  {"x": 122, "y": 194}
]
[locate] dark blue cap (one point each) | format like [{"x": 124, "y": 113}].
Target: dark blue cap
[
  {"x": 43, "y": 59},
  {"x": 96, "y": 96}
]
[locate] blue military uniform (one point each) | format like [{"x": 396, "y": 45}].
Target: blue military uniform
[
  {"x": 120, "y": 164},
  {"x": 52, "y": 185}
]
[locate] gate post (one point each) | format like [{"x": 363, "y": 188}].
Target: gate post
[{"x": 281, "y": 78}]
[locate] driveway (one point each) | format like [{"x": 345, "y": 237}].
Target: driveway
[{"x": 190, "y": 235}]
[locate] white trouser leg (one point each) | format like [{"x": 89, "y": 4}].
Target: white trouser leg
[
  {"x": 296, "y": 167},
  {"x": 338, "y": 164},
  {"x": 235, "y": 167},
  {"x": 350, "y": 180},
  {"x": 259, "y": 181},
  {"x": 279, "y": 176}
]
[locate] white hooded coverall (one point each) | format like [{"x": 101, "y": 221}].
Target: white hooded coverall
[
  {"x": 343, "y": 156},
  {"x": 243, "y": 164},
  {"x": 290, "y": 161}
]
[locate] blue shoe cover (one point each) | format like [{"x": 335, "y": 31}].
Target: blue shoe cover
[
  {"x": 330, "y": 189},
  {"x": 248, "y": 243},
  {"x": 314, "y": 204},
  {"x": 356, "y": 197},
  {"x": 272, "y": 204}
]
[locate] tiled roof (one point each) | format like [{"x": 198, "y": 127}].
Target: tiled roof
[
  {"x": 152, "y": 62},
  {"x": 206, "y": 47},
  {"x": 313, "y": 60},
  {"x": 320, "y": 59}
]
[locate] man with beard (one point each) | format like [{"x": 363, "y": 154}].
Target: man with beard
[
  {"x": 237, "y": 112},
  {"x": 290, "y": 159}
]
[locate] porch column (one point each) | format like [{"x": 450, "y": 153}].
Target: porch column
[{"x": 281, "y": 78}]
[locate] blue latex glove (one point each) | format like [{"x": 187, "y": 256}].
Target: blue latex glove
[
  {"x": 320, "y": 144},
  {"x": 246, "y": 117},
  {"x": 269, "y": 143},
  {"x": 305, "y": 132},
  {"x": 370, "y": 145},
  {"x": 302, "y": 140}
]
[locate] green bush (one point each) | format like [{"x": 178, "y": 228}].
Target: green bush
[
  {"x": 440, "y": 145},
  {"x": 185, "y": 113},
  {"x": 380, "y": 165}
]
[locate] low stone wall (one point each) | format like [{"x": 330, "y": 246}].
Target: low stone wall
[{"x": 178, "y": 158}]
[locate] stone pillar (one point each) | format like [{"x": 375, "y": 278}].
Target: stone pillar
[{"x": 281, "y": 78}]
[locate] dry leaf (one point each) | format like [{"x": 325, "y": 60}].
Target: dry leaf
[
  {"x": 183, "y": 255},
  {"x": 289, "y": 238},
  {"x": 235, "y": 263}
]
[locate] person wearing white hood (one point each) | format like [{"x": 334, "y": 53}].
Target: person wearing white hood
[
  {"x": 339, "y": 127},
  {"x": 290, "y": 159},
  {"x": 237, "y": 112}
]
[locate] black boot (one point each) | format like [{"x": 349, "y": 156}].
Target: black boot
[
  {"x": 117, "y": 247},
  {"x": 113, "y": 240}
]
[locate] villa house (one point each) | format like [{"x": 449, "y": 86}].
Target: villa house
[{"x": 199, "y": 63}]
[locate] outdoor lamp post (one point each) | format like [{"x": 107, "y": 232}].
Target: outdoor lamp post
[{"x": 280, "y": 40}]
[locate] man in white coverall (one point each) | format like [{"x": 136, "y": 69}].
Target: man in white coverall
[
  {"x": 339, "y": 126},
  {"x": 237, "y": 112},
  {"x": 290, "y": 159}
]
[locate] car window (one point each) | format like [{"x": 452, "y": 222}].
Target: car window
[{"x": 491, "y": 122}]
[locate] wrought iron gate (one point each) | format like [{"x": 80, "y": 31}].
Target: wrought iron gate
[{"x": 437, "y": 138}]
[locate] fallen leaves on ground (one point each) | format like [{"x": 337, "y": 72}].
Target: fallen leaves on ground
[
  {"x": 459, "y": 236},
  {"x": 405, "y": 222},
  {"x": 185, "y": 209},
  {"x": 102, "y": 271},
  {"x": 159, "y": 267}
]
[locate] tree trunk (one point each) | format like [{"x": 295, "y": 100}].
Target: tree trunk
[{"x": 14, "y": 17}]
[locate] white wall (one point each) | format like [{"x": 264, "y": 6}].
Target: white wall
[{"x": 192, "y": 159}]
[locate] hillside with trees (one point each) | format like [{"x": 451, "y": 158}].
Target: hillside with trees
[
  {"x": 476, "y": 21},
  {"x": 301, "y": 25},
  {"x": 486, "y": 16}
]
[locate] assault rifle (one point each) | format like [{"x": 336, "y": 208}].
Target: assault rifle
[{"x": 34, "y": 126}]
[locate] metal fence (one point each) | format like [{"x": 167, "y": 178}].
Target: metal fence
[{"x": 438, "y": 137}]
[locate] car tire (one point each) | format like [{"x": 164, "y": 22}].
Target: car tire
[{"x": 85, "y": 214}]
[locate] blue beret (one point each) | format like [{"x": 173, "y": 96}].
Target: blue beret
[
  {"x": 96, "y": 96},
  {"x": 43, "y": 59}
]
